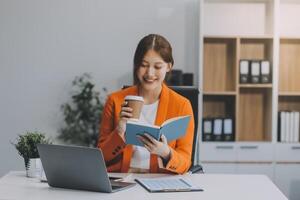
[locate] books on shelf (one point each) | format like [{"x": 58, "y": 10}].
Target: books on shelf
[
  {"x": 255, "y": 71},
  {"x": 288, "y": 126},
  {"x": 218, "y": 129},
  {"x": 172, "y": 128}
]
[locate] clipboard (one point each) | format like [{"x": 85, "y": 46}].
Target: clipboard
[{"x": 168, "y": 185}]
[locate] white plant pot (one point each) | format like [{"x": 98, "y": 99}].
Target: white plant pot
[{"x": 34, "y": 169}]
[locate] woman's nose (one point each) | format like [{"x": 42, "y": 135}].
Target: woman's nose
[{"x": 150, "y": 71}]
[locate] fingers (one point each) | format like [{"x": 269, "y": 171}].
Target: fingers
[
  {"x": 124, "y": 103},
  {"x": 147, "y": 143},
  {"x": 150, "y": 138},
  {"x": 164, "y": 139},
  {"x": 126, "y": 112}
]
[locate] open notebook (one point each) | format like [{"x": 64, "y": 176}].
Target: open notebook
[{"x": 167, "y": 185}]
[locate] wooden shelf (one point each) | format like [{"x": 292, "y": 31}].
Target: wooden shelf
[
  {"x": 255, "y": 85},
  {"x": 256, "y": 37},
  {"x": 254, "y": 115},
  {"x": 222, "y": 37},
  {"x": 256, "y": 49},
  {"x": 219, "y": 63},
  {"x": 218, "y": 106},
  {"x": 220, "y": 93},
  {"x": 291, "y": 103},
  {"x": 289, "y": 37},
  {"x": 289, "y": 65},
  {"x": 289, "y": 94}
]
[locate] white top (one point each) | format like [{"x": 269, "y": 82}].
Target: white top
[
  {"x": 141, "y": 156},
  {"x": 216, "y": 186}
]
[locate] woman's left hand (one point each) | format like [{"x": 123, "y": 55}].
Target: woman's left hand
[{"x": 160, "y": 148}]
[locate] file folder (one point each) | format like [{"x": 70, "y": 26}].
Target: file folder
[
  {"x": 217, "y": 129},
  {"x": 297, "y": 124},
  {"x": 207, "y": 129},
  {"x": 228, "y": 129},
  {"x": 265, "y": 71},
  {"x": 244, "y": 71},
  {"x": 255, "y": 71}
]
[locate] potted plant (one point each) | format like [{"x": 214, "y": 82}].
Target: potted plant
[
  {"x": 82, "y": 115},
  {"x": 27, "y": 147}
]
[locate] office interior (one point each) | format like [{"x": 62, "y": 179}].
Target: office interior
[{"x": 242, "y": 55}]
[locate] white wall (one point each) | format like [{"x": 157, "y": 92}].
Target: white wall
[{"x": 44, "y": 44}]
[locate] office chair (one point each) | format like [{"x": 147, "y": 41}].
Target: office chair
[{"x": 191, "y": 93}]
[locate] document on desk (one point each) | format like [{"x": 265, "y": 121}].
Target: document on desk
[{"x": 167, "y": 185}]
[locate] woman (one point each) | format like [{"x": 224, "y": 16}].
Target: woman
[{"x": 152, "y": 61}]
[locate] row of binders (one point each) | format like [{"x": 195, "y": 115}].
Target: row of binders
[
  {"x": 255, "y": 71},
  {"x": 218, "y": 129},
  {"x": 288, "y": 126}
]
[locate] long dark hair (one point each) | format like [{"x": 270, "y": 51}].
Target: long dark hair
[{"x": 155, "y": 42}]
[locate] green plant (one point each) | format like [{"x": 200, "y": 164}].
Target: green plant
[
  {"x": 82, "y": 115},
  {"x": 27, "y": 145}
]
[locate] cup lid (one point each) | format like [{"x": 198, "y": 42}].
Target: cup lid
[{"x": 133, "y": 97}]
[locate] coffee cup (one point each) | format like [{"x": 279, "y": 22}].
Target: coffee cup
[{"x": 136, "y": 103}]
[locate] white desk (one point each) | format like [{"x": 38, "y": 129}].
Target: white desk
[{"x": 15, "y": 185}]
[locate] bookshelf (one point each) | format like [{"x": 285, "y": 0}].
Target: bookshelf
[
  {"x": 224, "y": 96},
  {"x": 231, "y": 30}
]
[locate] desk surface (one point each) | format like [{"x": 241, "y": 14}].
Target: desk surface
[{"x": 15, "y": 185}]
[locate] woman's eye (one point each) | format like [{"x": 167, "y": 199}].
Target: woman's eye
[
  {"x": 143, "y": 65},
  {"x": 158, "y": 66}
]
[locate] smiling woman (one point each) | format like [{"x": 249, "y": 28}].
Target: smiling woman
[{"x": 152, "y": 61}]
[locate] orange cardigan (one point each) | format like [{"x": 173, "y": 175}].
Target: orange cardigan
[{"x": 118, "y": 155}]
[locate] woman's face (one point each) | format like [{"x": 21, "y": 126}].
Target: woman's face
[{"x": 152, "y": 71}]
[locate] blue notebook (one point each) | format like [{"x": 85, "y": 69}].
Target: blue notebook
[{"x": 172, "y": 128}]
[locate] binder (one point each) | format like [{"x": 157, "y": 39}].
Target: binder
[
  {"x": 297, "y": 124},
  {"x": 207, "y": 129},
  {"x": 265, "y": 71},
  {"x": 255, "y": 71},
  {"x": 217, "y": 129},
  {"x": 228, "y": 129},
  {"x": 283, "y": 126},
  {"x": 293, "y": 132},
  {"x": 287, "y": 126},
  {"x": 244, "y": 71}
]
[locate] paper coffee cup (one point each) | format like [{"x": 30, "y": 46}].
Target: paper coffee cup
[{"x": 136, "y": 103}]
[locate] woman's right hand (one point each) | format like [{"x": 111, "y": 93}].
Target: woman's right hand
[{"x": 125, "y": 114}]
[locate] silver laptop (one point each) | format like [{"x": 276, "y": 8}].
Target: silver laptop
[{"x": 76, "y": 167}]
